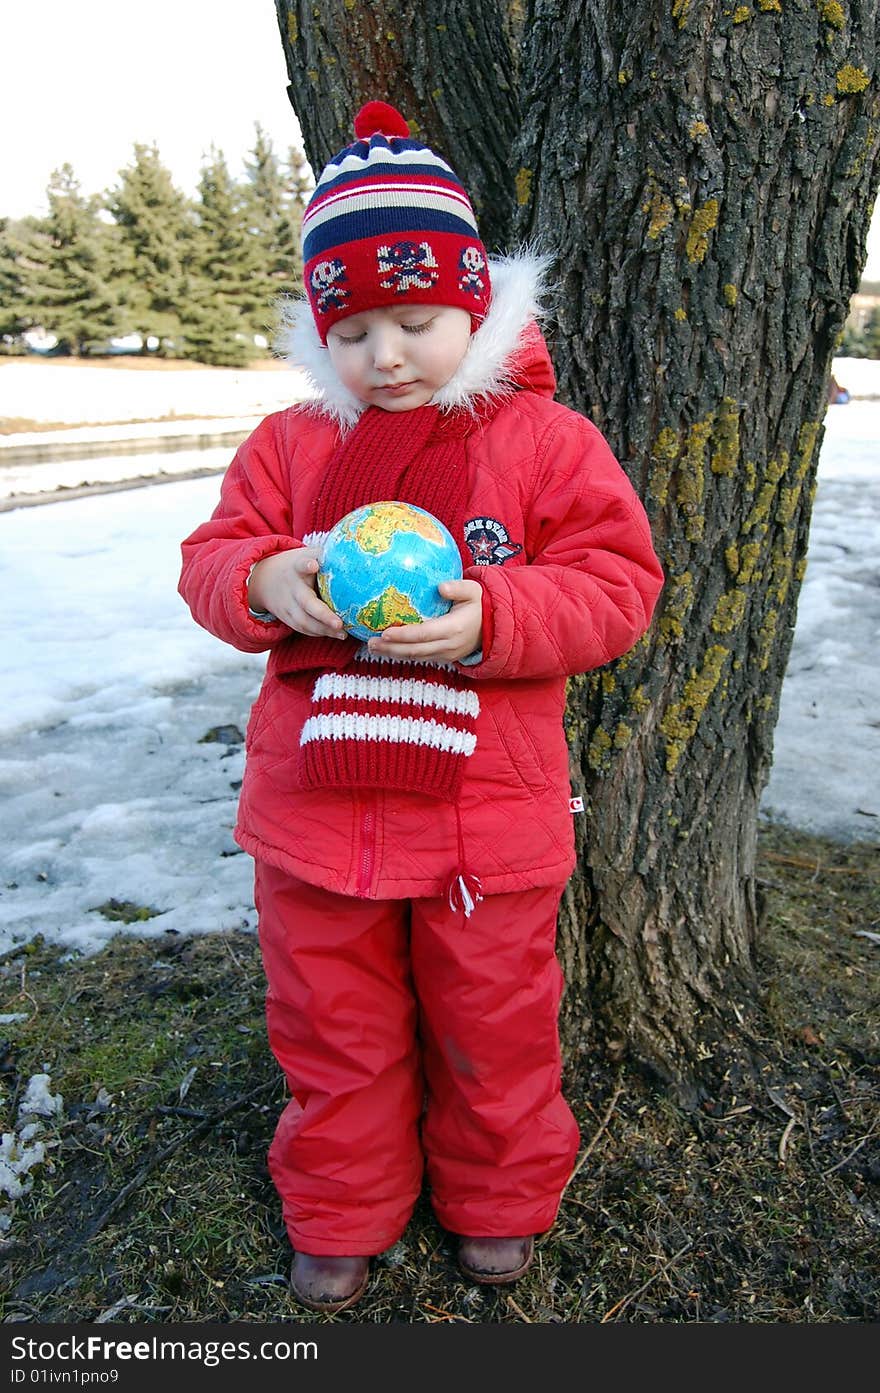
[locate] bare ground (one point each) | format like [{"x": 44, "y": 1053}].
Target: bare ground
[{"x": 762, "y": 1206}]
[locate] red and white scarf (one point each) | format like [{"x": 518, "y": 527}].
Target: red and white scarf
[{"x": 378, "y": 722}]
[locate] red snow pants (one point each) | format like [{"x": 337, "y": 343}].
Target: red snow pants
[{"x": 410, "y": 1035}]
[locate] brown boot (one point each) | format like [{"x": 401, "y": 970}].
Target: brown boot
[
  {"x": 495, "y": 1261},
  {"x": 328, "y": 1284}
]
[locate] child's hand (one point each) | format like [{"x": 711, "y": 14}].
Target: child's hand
[
  {"x": 456, "y": 635},
  {"x": 284, "y": 584}
]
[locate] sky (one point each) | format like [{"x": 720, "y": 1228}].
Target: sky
[{"x": 83, "y": 81}]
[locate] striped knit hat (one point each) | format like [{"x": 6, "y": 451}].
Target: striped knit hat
[{"x": 390, "y": 223}]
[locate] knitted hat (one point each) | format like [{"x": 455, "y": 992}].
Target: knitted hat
[{"x": 389, "y": 223}]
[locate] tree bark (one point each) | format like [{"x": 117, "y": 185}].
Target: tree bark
[
  {"x": 703, "y": 175},
  {"x": 447, "y": 65}
]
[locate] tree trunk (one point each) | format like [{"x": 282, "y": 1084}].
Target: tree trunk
[
  {"x": 703, "y": 175},
  {"x": 446, "y": 64}
]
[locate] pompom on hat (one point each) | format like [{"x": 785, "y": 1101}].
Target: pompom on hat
[{"x": 390, "y": 222}]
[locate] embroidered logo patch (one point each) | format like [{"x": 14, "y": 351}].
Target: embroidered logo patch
[
  {"x": 489, "y": 542},
  {"x": 575, "y": 805},
  {"x": 407, "y": 266}
]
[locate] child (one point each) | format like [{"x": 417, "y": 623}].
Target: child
[{"x": 407, "y": 802}]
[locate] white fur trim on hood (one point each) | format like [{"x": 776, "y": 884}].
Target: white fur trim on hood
[{"x": 518, "y": 284}]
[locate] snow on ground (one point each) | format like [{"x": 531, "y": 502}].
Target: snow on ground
[
  {"x": 38, "y": 390},
  {"x": 826, "y": 762},
  {"x": 18, "y": 479},
  {"x": 106, "y": 791}
]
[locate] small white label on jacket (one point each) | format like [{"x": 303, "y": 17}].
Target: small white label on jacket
[{"x": 575, "y": 805}]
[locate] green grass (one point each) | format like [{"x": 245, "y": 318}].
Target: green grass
[{"x": 762, "y": 1206}]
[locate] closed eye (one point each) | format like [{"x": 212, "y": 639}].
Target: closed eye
[{"x": 407, "y": 329}]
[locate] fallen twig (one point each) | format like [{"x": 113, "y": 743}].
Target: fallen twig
[
  {"x": 815, "y": 866},
  {"x": 167, "y": 1111},
  {"x": 783, "y": 1140},
  {"x": 842, "y": 1162},
  {"x": 444, "y": 1315},
  {"x": 606, "y": 1118},
  {"x": 631, "y": 1296},
  {"x": 135, "y": 1183},
  {"x": 519, "y": 1310}
]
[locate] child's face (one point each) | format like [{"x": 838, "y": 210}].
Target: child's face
[{"x": 398, "y": 357}]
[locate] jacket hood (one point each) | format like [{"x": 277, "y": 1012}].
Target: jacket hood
[{"x": 506, "y": 354}]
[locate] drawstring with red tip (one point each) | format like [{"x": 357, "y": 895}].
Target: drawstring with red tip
[{"x": 465, "y": 890}]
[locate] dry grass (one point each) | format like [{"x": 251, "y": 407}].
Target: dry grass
[{"x": 760, "y": 1207}]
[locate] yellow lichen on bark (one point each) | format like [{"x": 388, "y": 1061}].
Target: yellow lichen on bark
[
  {"x": 692, "y": 476},
  {"x": 788, "y": 501},
  {"x": 833, "y": 13},
  {"x": 663, "y": 455},
  {"x": 851, "y": 79},
  {"x": 678, "y": 599},
  {"x": 598, "y": 754},
  {"x": 729, "y": 611},
  {"x": 725, "y": 438},
  {"x": 523, "y": 186},
  {"x": 749, "y": 556},
  {"x": 683, "y": 717},
  {"x": 807, "y": 437},
  {"x": 782, "y": 564},
  {"x": 659, "y": 209},
  {"x": 704, "y": 220},
  {"x": 766, "y": 635}
]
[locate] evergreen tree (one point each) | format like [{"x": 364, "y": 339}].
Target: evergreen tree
[
  {"x": 155, "y": 226},
  {"x": 65, "y": 272},
  {"x": 14, "y": 319},
  {"x": 276, "y": 195},
  {"x": 227, "y": 279},
  {"x": 852, "y": 341},
  {"x": 274, "y": 220},
  {"x": 299, "y": 183},
  {"x": 871, "y": 338}
]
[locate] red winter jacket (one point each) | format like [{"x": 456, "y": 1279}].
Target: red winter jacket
[{"x": 570, "y": 581}]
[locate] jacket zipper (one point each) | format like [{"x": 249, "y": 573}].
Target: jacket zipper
[{"x": 367, "y": 845}]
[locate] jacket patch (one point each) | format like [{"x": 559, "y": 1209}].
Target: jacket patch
[{"x": 489, "y": 542}]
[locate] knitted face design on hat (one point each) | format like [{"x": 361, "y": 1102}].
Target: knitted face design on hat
[{"x": 390, "y": 223}]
